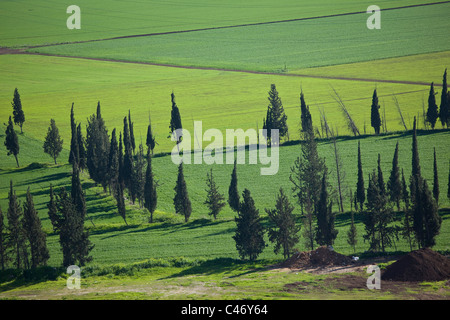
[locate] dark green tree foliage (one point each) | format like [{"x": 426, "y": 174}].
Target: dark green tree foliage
[
  {"x": 121, "y": 164},
  {"x": 407, "y": 223},
  {"x": 150, "y": 141},
  {"x": 444, "y": 115},
  {"x": 360, "y": 191},
  {"x": 82, "y": 161},
  {"x": 119, "y": 195},
  {"x": 326, "y": 232},
  {"x": 3, "y": 242},
  {"x": 380, "y": 178},
  {"x": 131, "y": 127},
  {"x": 267, "y": 124},
  {"x": 74, "y": 239},
  {"x": 432, "y": 111},
  {"x": 150, "y": 193},
  {"x": 128, "y": 165},
  {"x": 352, "y": 234},
  {"x": 375, "y": 120},
  {"x": 233, "y": 193},
  {"x": 18, "y": 114},
  {"x": 53, "y": 213},
  {"x": 448, "y": 183},
  {"x": 435, "y": 179},
  {"x": 306, "y": 119},
  {"x": 53, "y": 142},
  {"x": 249, "y": 236},
  {"x": 215, "y": 201},
  {"x": 12, "y": 141},
  {"x": 77, "y": 193},
  {"x": 74, "y": 155},
  {"x": 16, "y": 234},
  {"x": 181, "y": 200},
  {"x": 36, "y": 236},
  {"x": 139, "y": 176},
  {"x": 276, "y": 118},
  {"x": 175, "y": 120},
  {"x": 283, "y": 231},
  {"x": 394, "y": 185},
  {"x": 113, "y": 161},
  {"x": 97, "y": 148}
]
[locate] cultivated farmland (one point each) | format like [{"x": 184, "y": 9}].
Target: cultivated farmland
[{"x": 220, "y": 60}]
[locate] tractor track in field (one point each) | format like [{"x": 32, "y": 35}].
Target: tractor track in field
[{"x": 298, "y": 75}]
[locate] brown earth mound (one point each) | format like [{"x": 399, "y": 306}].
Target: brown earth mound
[
  {"x": 321, "y": 257},
  {"x": 419, "y": 265}
]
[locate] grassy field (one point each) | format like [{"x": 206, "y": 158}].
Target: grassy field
[
  {"x": 27, "y": 22},
  {"x": 283, "y": 46},
  {"x": 49, "y": 85}
]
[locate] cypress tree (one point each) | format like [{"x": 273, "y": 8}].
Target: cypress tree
[
  {"x": 370, "y": 218},
  {"x": 74, "y": 153},
  {"x": 18, "y": 114},
  {"x": 431, "y": 221},
  {"x": 97, "y": 148},
  {"x": 36, "y": 236},
  {"x": 233, "y": 194},
  {"x": 77, "y": 194},
  {"x": 380, "y": 178},
  {"x": 150, "y": 193},
  {"x": 12, "y": 141},
  {"x": 150, "y": 141},
  {"x": 121, "y": 165},
  {"x": 131, "y": 125},
  {"x": 53, "y": 213},
  {"x": 305, "y": 116},
  {"x": 53, "y": 142},
  {"x": 81, "y": 149},
  {"x": 394, "y": 185},
  {"x": 139, "y": 176},
  {"x": 443, "y": 110},
  {"x": 181, "y": 200},
  {"x": 128, "y": 167},
  {"x": 375, "y": 119},
  {"x": 113, "y": 161},
  {"x": 74, "y": 239},
  {"x": 16, "y": 234},
  {"x": 119, "y": 195},
  {"x": 214, "y": 200},
  {"x": 249, "y": 236},
  {"x": 283, "y": 230},
  {"x": 435, "y": 180},
  {"x": 3, "y": 242},
  {"x": 175, "y": 119},
  {"x": 326, "y": 233},
  {"x": 276, "y": 118},
  {"x": 360, "y": 192},
  {"x": 432, "y": 111},
  {"x": 407, "y": 228}
]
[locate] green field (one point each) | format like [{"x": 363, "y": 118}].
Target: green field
[
  {"x": 283, "y": 46},
  {"x": 220, "y": 76},
  {"x": 28, "y": 22}
]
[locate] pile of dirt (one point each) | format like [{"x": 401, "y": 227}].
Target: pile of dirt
[
  {"x": 419, "y": 265},
  {"x": 321, "y": 257}
]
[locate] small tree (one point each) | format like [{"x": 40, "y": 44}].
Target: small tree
[
  {"x": 432, "y": 111},
  {"x": 74, "y": 153},
  {"x": 283, "y": 230},
  {"x": 233, "y": 194},
  {"x": 375, "y": 119},
  {"x": 444, "y": 115},
  {"x": 53, "y": 213},
  {"x": 249, "y": 235},
  {"x": 36, "y": 236},
  {"x": 306, "y": 120},
  {"x": 175, "y": 120},
  {"x": 360, "y": 192},
  {"x": 19, "y": 116},
  {"x": 150, "y": 142},
  {"x": 150, "y": 194},
  {"x": 11, "y": 141},
  {"x": 181, "y": 200},
  {"x": 53, "y": 142},
  {"x": 326, "y": 233},
  {"x": 214, "y": 199},
  {"x": 394, "y": 185},
  {"x": 3, "y": 242},
  {"x": 276, "y": 118},
  {"x": 81, "y": 149}
]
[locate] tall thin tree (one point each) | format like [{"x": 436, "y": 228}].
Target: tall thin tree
[
  {"x": 375, "y": 119},
  {"x": 18, "y": 114},
  {"x": 181, "y": 200},
  {"x": 12, "y": 141}
]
